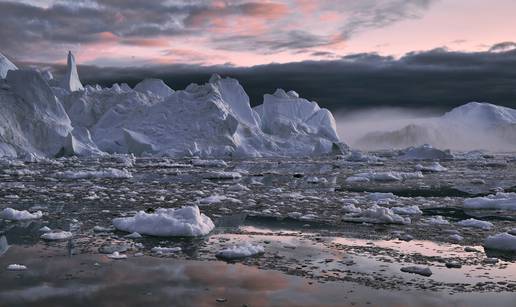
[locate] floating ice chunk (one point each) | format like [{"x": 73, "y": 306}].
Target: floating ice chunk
[
  {"x": 209, "y": 163},
  {"x": 117, "y": 256},
  {"x": 315, "y": 180},
  {"x": 185, "y": 221},
  {"x": 435, "y": 167},
  {"x": 238, "y": 187},
  {"x": 214, "y": 199},
  {"x": 309, "y": 217},
  {"x": 57, "y": 236},
  {"x": 501, "y": 241},
  {"x": 378, "y": 215},
  {"x": 103, "y": 229},
  {"x": 437, "y": 220},
  {"x": 407, "y": 210},
  {"x": 389, "y": 176},
  {"x": 222, "y": 175},
  {"x": 476, "y": 224},
  {"x": 424, "y": 271},
  {"x": 133, "y": 235},
  {"x": 377, "y": 196},
  {"x": 165, "y": 250},
  {"x": 426, "y": 152},
  {"x": 241, "y": 251},
  {"x": 350, "y": 208},
  {"x": 104, "y": 174},
  {"x": 353, "y": 179},
  {"x": 16, "y": 267},
  {"x": 45, "y": 229},
  {"x": 499, "y": 201},
  {"x": 15, "y": 215}
]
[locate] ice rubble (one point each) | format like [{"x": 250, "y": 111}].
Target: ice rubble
[
  {"x": 214, "y": 119},
  {"x": 167, "y": 222},
  {"x": 499, "y": 201},
  {"x": 5, "y": 66},
  {"x": 425, "y": 152},
  {"x": 16, "y": 215},
  {"x": 105, "y": 173},
  {"x": 57, "y": 236},
  {"x": 377, "y": 215},
  {"x": 501, "y": 241},
  {"x": 16, "y": 267},
  {"x": 476, "y": 224},
  {"x": 240, "y": 251}
]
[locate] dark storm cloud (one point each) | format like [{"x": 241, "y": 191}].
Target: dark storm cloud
[{"x": 431, "y": 79}]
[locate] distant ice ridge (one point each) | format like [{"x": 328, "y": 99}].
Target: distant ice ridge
[
  {"x": 43, "y": 118},
  {"x": 468, "y": 127}
]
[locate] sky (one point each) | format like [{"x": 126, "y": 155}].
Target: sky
[
  {"x": 245, "y": 32},
  {"x": 345, "y": 54}
]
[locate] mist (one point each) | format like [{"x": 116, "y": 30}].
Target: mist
[
  {"x": 355, "y": 124},
  {"x": 398, "y": 128}
]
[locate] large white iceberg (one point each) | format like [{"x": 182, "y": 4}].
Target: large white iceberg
[
  {"x": 43, "y": 118},
  {"x": 167, "y": 222},
  {"x": 32, "y": 120}
]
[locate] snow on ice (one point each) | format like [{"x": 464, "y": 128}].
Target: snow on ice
[
  {"x": 16, "y": 215},
  {"x": 240, "y": 251},
  {"x": 182, "y": 222}
]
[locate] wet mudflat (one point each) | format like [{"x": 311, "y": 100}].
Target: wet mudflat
[{"x": 321, "y": 244}]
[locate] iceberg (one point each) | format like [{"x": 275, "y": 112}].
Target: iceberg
[
  {"x": 44, "y": 118},
  {"x": 5, "y": 66},
  {"x": 471, "y": 126},
  {"x": 32, "y": 120},
  {"x": 71, "y": 81}
]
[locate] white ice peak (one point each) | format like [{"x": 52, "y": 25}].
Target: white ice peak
[
  {"x": 71, "y": 80},
  {"x": 5, "y": 66}
]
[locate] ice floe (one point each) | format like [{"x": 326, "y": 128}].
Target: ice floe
[
  {"x": 16, "y": 215},
  {"x": 57, "y": 236},
  {"x": 241, "y": 251},
  {"x": 16, "y": 267},
  {"x": 501, "y": 241},
  {"x": 499, "y": 201},
  {"x": 474, "y": 223},
  {"x": 167, "y": 222},
  {"x": 105, "y": 173}
]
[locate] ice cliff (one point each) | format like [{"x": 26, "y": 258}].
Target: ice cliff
[{"x": 45, "y": 118}]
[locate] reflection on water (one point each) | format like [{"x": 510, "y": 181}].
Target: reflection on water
[{"x": 53, "y": 279}]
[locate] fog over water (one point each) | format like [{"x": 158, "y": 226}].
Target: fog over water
[{"x": 386, "y": 128}]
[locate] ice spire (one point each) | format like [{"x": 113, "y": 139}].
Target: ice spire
[
  {"x": 5, "y": 66},
  {"x": 71, "y": 80}
]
